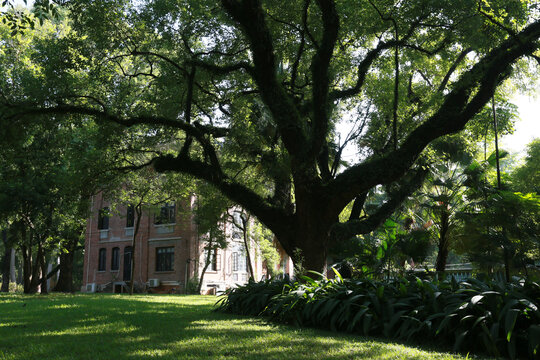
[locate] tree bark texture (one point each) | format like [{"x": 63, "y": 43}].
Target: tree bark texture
[
  {"x": 65, "y": 279},
  {"x": 248, "y": 255},
  {"x": 12, "y": 268},
  {"x": 27, "y": 267},
  {"x": 5, "y": 263},
  {"x": 138, "y": 212},
  {"x": 44, "y": 289},
  {"x": 207, "y": 261},
  {"x": 442, "y": 255}
]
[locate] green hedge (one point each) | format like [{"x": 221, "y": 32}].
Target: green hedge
[{"x": 501, "y": 319}]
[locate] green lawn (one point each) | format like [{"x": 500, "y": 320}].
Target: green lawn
[{"x": 169, "y": 327}]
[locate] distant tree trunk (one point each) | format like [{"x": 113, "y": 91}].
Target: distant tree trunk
[
  {"x": 506, "y": 256},
  {"x": 245, "y": 231},
  {"x": 31, "y": 264},
  {"x": 5, "y": 263},
  {"x": 207, "y": 262},
  {"x": 36, "y": 270},
  {"x": 138, "y": 211},
  {"x": 12, "y": 269},
  {"x": 44, "y": 266},
  {"x": 442, "y": 255},
  {"x": 26, "y": 251},
  {"x": 65, "y": 279},
  {"x": 31, "y": 269},
  {"x": 27, "y": 267},
  {"x": 505, "y": 245},
  {"x": 244, "y": 227},
  {"x": 43, "y": 281}
]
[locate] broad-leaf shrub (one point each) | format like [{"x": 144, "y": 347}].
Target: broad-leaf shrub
[{"x": 502, "y": 319}]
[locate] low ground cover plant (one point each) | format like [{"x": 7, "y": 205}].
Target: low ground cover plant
[{"x": 494, "y": 317}]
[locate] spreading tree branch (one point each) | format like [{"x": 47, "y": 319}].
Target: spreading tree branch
[
  {"x": 468, "y": 96},
  {"x": 197, "y": 130},
  {"x": 271, "y": 216},
  {"x": 320, "y": 66},
  {"x": 355, "y": 226},
  {"x": 453, "y": 68},
  {"x": 250, "y": 16},
  {"x": 294, "y": 71}
]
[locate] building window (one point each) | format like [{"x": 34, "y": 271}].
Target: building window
[
  {"x": 284, "y": 265},
  {"x": 215, "y": 260},
  {"x": 103, "y": 218},
  {"x": 128, "y": 257},
  {"x": 130, "y": 216},
  {"x": 115, "y": 259},
  {"x": 164, "y": 259},
  {"x": 234, "y": 261},
  {"x": 167, "y": 214},
  {"x": 241, "y": 262},
  {"x": 102, "y": 261}
]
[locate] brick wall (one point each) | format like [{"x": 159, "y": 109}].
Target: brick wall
[
  {"x": 150, "y": 237},
  {"x": 182, "y": 236}
]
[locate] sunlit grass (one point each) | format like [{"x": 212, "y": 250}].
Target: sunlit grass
[{"x": 168, "y": 327}]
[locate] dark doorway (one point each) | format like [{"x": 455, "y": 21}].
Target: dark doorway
[{"x": 128, "y": 253}]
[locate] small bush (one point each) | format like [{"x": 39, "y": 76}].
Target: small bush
[
  {"x": 494, "y": 317},
  {"x": 16, "y": 288}
]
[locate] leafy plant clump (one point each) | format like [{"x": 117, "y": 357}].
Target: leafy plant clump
[{"x": 493, "y": 317}]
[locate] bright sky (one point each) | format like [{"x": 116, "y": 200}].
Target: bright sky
[{"x": 527, "y": 127}]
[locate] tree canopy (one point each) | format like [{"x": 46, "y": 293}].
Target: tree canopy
[{"x": 248, "y": 94}]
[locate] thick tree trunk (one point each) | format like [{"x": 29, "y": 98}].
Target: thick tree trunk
[
  {"x": 307, "y": 239},
  {"x": 5, "y": 263},
  {"x": 315, "y": 215},
  {"x": 65, "y": 279},
  {"x": 311, "y": 257},
  {"x": 311, "y": 240}
]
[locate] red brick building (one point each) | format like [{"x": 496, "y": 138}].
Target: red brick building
[{"x": 168, "y": 251}]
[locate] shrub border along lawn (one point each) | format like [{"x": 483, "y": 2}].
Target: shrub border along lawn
[{"x": 490, "y": 317}]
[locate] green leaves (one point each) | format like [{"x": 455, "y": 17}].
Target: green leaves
[
  {"x": 509, "y": 322},
  {"x": 492, "y": 317}
]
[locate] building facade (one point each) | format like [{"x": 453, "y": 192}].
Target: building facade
[{"x": 167, "y": 255}]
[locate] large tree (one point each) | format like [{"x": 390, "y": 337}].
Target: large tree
[{"x": 254, "y": 90}]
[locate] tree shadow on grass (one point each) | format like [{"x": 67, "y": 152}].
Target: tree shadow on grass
[{"x": 168, "y": 327}]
